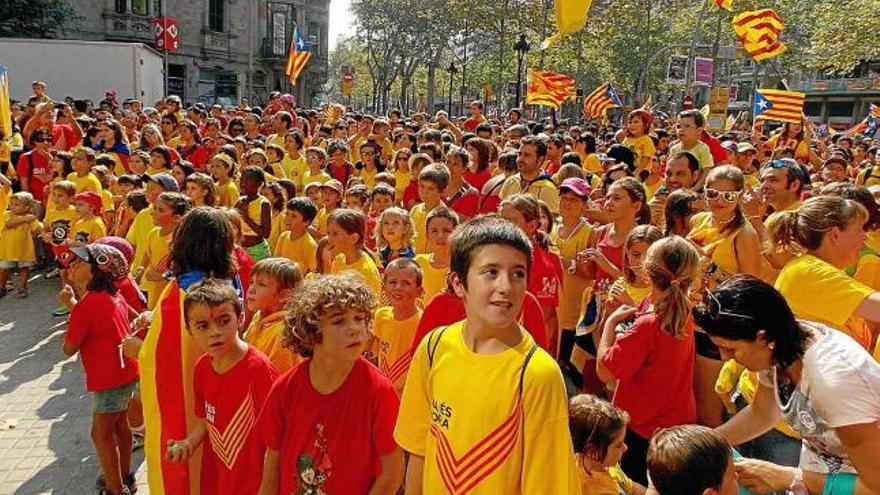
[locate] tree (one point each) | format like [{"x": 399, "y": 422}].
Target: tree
[{"x": 34, "y": 18}]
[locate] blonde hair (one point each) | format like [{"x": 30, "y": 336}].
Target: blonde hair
[
  {"x": 805, "y": 227},
  {"x": 648, "y": 234},
  {"x": 672, "y": 264},
  {"x": 26, "y": 198},
  {"x": 409, "y": 228},
  {"x": 317, "y": 297},
  {"x": 284, "y": 271}
]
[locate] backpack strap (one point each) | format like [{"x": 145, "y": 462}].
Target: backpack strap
[
  {"x": 433, "y": 341},
  {"x": 522, "y": 373}
]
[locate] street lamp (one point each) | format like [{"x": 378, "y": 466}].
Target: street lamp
[
  {"x": 452, "y": 69},
  {"x": 521, "y": 47}
]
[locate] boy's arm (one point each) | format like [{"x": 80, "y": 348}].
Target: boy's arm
[
  {"x": 391, "y": 475},
  {"x": 414, "y": 475},
  {"x": 271, "y": 483}
]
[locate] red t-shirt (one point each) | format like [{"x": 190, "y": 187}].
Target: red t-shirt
[
  {"x": 478, "y": 179},
  {"x": 245, "y": 264},
  {"x": 411, "y": 194},
  {"x": 195, "y": 154},
  {"x": 230, "y": 403},
  {"x": 467, "y": 203},
  {"x": 63, "y": 137},
  {"x": 445, "y": 309},
  {"x": 330, "y": 443},
  {"x": 545, "y": 277},
  {"x": 370, "y": 236},
  {"x": 718, "y": 153},
  {"x": 34, "y": 166},
  {"x": 655, "y": 374},
  {"x": 128, "y": 289},
  {"x": 97, "y": 325},
  {"x": 490, "y": 197}
]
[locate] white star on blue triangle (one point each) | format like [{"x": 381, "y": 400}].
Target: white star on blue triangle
[
  {"x": 762, "y": 104},
  {"x": 300, "y": 43}
]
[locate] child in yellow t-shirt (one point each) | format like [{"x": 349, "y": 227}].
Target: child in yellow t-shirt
[
  {"x": 297, "y": 244},
  {"x": 433, "y": 181},
  {"x": 598, "y": 430},
  {"x": 520, "y": 437},
  {"x": 345, "y": 229},
  {"x": 637, "y": 138},
  {"x": 331, "y": 197},
  {"x": 435, "y": 266},
  {"x": 315, "y": 160},
  {"x": 62, "y": 167},
  {"x": 273, "y": 281},
  {"x": 274, "y": 155},
  {"x": 82, "y": 176},
  {"x": 16, "y": 241},
  {"x": 89, "y": 225},
  {"x": 395, "y": 325},
  {"x": 58, "y": 223},
  {"x": 222, "y": 170},
  {"x": 256, "y": 213},
  {"x": 634, "y": 285},
  {"x": 274, "y": 193},
  {"x": 168, "y": 211}
]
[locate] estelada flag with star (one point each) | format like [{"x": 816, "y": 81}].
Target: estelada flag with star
[
  {"x": 780, "y": 105},
  {"x": 759, "y": 32},
  {"x": 599, "y": 101},
  {"x": 549, "y": 88},
  {"x": 297, "y": 57}
]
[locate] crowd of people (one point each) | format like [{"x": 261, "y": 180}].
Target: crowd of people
[{"x": 320, "y": 301}]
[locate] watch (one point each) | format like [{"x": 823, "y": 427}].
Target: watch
[{"x": 797, "y": 486}]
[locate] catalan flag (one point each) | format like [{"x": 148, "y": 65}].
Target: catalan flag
[
  {"x": 759, "y": 32},
  {"x": 779, "y": 104},
  {"x": 298, "y": 56},
  {"x": 549, "y": 88},
  {"x": 868, "y": 125},
  {"x": 5, "y": 112},
  {"x": 599, "y": 101},
  {"x": 724, "y": 4}
]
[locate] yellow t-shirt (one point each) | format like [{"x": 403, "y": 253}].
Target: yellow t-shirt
[
  {"x": 227, "y": 194},
  {"x": 518, "y": 442},
  {"x": 700, "y": 151},
  {"x": 768, "y": 272},
  {"x": 254, "y": 212},
  {"x": 65, "y": 217},
  {"x": 295, "y": 169},
  {"x": 419, "y": 217},
  {"x": 156, "y": 171},
  {"x": 107, "y": 200},
  {"x": 387, "y": 149},
  {"x": 320, "y": 177},
  {"x": 88, "y": 230},
  {"x": 591, "y": 163},
  {"x": 5, "y": 195},
  {"x": 88, "y": 183},
  {"x": 612, "y": 481},
  {"x": 363, "y": 266},
  {"x": 713, "y": 244},
  {"x": 16, "y": 243},
  {"x": 806, "y": 276},
  {"x": 393, "y": 344},
  {"x": 573, "y": 286},
  {"x": 265, "y": 335},
  {"x": 433, "y": 279},
  {"x": 277, "y": 228},
  {"x": 644, "y": 149},
  {"x": 320, "y": 221},
  {"x": 138, "y": 233},
  {"x": 402, "y": 179},
  {"x": 158, "y": 249},
  {"x": 303, "y": 250},
  {"x": 369, "y": 177}
]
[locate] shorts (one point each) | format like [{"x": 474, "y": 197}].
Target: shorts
[
  {"x": 259, "y": 251},
  {"x": 12, "y": 265},
  {"x": 114, "y": 400}
]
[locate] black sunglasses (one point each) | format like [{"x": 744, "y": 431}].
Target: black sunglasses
[{"x": 713, "y": 308}]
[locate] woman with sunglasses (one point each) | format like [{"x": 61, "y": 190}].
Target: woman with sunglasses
[{"x": 820, "y": 382}]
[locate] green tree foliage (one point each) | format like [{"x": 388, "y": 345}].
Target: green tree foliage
[{"x": 34, "y": 18}]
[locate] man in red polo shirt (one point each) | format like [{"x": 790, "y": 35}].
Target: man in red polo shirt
[{"x": 66, "y": 133}]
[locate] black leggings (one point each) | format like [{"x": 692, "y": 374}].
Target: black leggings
[{"x": 634, "y": 462}]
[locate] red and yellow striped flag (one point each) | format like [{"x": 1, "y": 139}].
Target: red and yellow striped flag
[
  {"x": 779, "y": 104},
  {"x": 599, "y": 101},
  {"x": 549, "y": 88},
  {"x": 724, "y": 4},
  {"x": 759, "y": 33},
  {"x": 298, "y": 56}
]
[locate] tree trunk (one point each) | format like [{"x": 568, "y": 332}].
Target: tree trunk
[{"x": 432, "y": 68}]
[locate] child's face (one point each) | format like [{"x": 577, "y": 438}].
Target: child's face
[
  {"x": 83, "y": 209},
  {"x": 157, "y": 161},
  {"x": 257, "y": 160},
  {"x": 163, "y": 215},
  {"x": 18, "y": 207},
  {"x": 264, "y": 294},
  {"x": 636, "y": 126},
  {"x": 153, "y": 191},
  {"x": 496, "y": 286},
  {"x": 196, "y": 192},
  {"x": 58, "y": 167},
  {"x": 249, "y": 185},
  {"x": 214, "y": 328},
  {"x": 340, "y": 240},
  {"x": 80, "y": 162},
  {"x": 354, "y": 202},
  {"x": 137, "y": 166},
  {"x": 635, "y": 258},
  {"x": 380, "y": 203},
  {"x": 439, "y": 230},
  {"x": 272, "y": 154},
  {"x": 314, "y": 193},
  {"x": 331, "y": 197},
  {"x": 125, "y": 188},
  {"x": 429, "y": 192},
  {"x": 344, "y": 334},
  {"x": 401, "y": 289},
  {"x": 393, "y": 229},
  {"x": 616, "y": 449},
  {"x": 314, "y": 161},
  {"x": 294, "y": 221},
  {"x": 338, "y": 157},
  {"x": 61, "y": 198},
  {"x": 219, "y": 170}
]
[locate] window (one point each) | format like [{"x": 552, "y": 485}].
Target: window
[
  {"x": 840, "y": 108},
  {"x": 216, "y": 13},
  {"x": 139, "y": 7},
  {"x": 813, "y": 108},
  {"x": 279, "y": 33},
  {"x": 314, "y": 38},
  {"x": 121, "y": 6},
  {"x": 207, "y": 75}
]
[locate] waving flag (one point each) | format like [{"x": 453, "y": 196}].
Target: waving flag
[
  {"x": 549, "y": 88},
  {"x": 599, "y": 101},
  {"x": 759, "y": 32},
  {"x": 298, "y": 56},
  {"x": 5, "y": 112},
  {"x": 571, "y": 15},
  {"x": 779, "y": 104},
  {"x": 868, "y": 126},
  {"x": 724, "y": 4}
]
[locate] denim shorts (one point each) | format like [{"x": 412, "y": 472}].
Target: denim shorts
[
  {"x": 114, "y": 400},
  {"x": 12, "y": 265}
]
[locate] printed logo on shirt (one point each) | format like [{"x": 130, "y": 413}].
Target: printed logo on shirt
[
  {"x": 441, "y": 413},
  {"x": 549, "y": 286},
  {"x": 60, "y": 230},
  {"x": 81, "y": 237},
  {"x": 227, "y": 444},
  {"x": 396, "y": 370}
]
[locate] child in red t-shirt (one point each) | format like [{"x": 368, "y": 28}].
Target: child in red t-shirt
[
  {"x": 230, "y": 385},
  {"x": 98, "y": 323},
  {"x": 328, "y": 422}
]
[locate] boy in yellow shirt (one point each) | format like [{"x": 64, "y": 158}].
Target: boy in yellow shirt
[
  {"x": 168, "y": 211},
  {"x": 315, "y": 159},
  {"x": 435, "y": 266},
  {"x": 82, "y": 176},
  {"x": 89, "y": 225},
  {"x": 331, "y": 196},
  {"x": 273, "y": 281},
  {"x": 395, "y": 325},
  {"x": 139, "y": 232},
  {"x": 516, "y": 443},
  {"x": 297, "y": 244},
  {"x": 433, "y": 181},
  {"x": 16, "y": 242},
  {"x": 58, "y": 223}
]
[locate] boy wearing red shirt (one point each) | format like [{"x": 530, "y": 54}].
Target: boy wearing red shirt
[{"x": 230, "y": 385}]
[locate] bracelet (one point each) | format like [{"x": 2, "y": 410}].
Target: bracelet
[{"x": 840, "y": 484}]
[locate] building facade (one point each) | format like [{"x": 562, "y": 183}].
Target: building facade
[{"x": 221, "y": 57}]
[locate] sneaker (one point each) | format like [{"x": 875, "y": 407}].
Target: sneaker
[
  {"x": 128, "y": 480},
  {"x": 54, "y": 273},
  {"x": 61, "y": 311}
]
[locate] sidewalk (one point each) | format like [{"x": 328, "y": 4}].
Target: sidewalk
[{"x": 42, "y": 393}]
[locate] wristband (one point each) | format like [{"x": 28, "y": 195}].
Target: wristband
[{"x": 840, "y": 484}]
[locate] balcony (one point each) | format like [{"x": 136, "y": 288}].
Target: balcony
[
  {"x": 840, "y": 85},
  {"x": 267, "y": 51},
  {"x": 217, "y": 44},
  {"x": 128, "y": 27}
]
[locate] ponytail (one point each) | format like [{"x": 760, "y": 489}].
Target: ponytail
[
  {"x": 806, "y": 227},
  {"x": 672, "y": 264}
]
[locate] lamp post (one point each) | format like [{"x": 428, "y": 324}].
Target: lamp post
[
  {"x": 521, "y": 47},
  {"x": 452, "y": 69}
]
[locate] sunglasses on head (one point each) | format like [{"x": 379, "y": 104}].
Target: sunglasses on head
[
  {"x": 713, "y": 308},
  {"x": 777, "y": 164},
  {"x": 727, "y": 196}
]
